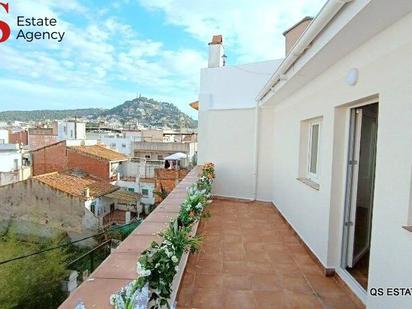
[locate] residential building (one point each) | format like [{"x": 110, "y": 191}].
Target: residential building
[
  {"x": 147, "y": 190},
  {"x": 166, "y": 180},
  {"x": 181, "y": 136},
  {"x": 70, "y": 129},
  {"x": 73, "y": 202},
  {"x": 86, "y": 156},
  {"x": 152, "y": 135},
  {"x": 326, "y": 138},
  {"x": 14, "y": 164},
  {"x": 96, "y": 160},
  {"x": 40, "y": 137},
  {"x": 118, "y": 141},
  {"x": 160, "y": 150},
  {"x": 18, "y": 136},
  {"x": 4, "y": 136}
]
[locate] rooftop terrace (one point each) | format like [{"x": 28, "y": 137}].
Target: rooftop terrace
[{"x": 251, "y": 258}]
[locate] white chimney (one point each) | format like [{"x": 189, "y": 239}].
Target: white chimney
[
  {"x": 216, "y": 52},
  {"x": 293, "y": 34},
  {"x": 86, "y": 192}
]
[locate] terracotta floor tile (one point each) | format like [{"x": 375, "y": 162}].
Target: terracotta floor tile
[
  {"x": 208, "y": 281},
  {"x": 238, "y": 299},
  {"x": 234, "y": 255},
  {"x": 188, "y": 280},
  {"x": 302, "y": 301},
  {"x": 235, "y": 267},
  {"x": 238, "y": 246},
  {"x": 250, "y": 258},
  {"x": 338, "y": 302},
  {"x": 260, "y": 267},
  {"x": 237, "y": 282},
  {"x": 207, "y": 298},
  {"x": 266, "y": 282},
  {"x": 255, "y": 247},
  {"x": 184, "y": 297},
  {"x": 210, "y": 255},
  {"x": 296, "y": 283},
  {"x": 257, "y": 257},
  {"x": 270, "y": 299},
  {"x": 324, "y": 286},
  {"x": 209, "y": 267},
  {"x": 231, "y": 239}
]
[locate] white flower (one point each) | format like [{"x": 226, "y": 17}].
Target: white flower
[
  {"x": 112, "y": 299},
  {"x": 174, "y": 259},
  {"x": 142, "y": 271},
  {"x": 168, "y": 253},
  {"x": 176, "y": 268}
]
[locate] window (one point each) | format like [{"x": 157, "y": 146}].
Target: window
[
  {"x": 313, "y": 153},
  {"x": 93, "y": 207},
  {"x": 147, "y": 156},
  {"x": 124, "y": 145},
  {"x": 160, "y": 157},
  {"x": 309, "y": 154},
  {"x": 145, "y": 192},
  {"x": 130, "y": 189},
  {"x": 16, "y": 164}
]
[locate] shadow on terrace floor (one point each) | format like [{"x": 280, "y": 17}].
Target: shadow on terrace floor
[{"x": 250, "y": 258}]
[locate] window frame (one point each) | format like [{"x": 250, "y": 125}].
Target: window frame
[
  {"x": 309, "y": 174},
  {"x": 145, "y": 195}
]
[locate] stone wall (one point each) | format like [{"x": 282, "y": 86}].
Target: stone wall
[{"x": 31, "y": 202}]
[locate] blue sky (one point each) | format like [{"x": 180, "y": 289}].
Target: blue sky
[{"x": 114, "y": 50}]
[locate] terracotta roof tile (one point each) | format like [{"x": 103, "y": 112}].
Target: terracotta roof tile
[
  {"x": 100, "y": 152},
  {"x": 76, "y": 185},
  {"x": 124, "y": 196},
  {"x": 217, "y": 39}
]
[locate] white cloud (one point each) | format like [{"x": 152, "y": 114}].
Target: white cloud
[
  {"x": 105, "y": 55},
  {"x": 252, "y": 30}
]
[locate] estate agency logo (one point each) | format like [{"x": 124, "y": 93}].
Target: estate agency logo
[
  {"x": 4, "y": 27},
  {"x": 29, "y": 36}
]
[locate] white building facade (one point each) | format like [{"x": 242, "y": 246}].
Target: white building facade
[
  {"x": 328, "y": 140},
  {"x": 14, "y": 164},
  {"x": 71, "y": 130}
]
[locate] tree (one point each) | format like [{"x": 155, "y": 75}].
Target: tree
[{"x": 33, "y": 282}]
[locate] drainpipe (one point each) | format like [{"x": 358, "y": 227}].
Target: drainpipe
[
  {"x": 328, "y": 12},
  {"x": 256, "y": 151}
]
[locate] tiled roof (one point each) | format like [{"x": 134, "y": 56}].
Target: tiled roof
[
  {"x": 217, "y": 39},
  {"x": 100, "y": 152},
  {"x": 124, "y": 196},
  {"x": 194, "y": 105},
  {"x": 76, "y": 185},
  {"x": 147, "y": 180}
]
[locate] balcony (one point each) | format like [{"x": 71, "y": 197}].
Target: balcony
[{"x": 249, "y": 258}]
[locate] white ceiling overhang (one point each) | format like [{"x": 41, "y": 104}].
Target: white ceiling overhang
[{"x": 355, "y": 24}]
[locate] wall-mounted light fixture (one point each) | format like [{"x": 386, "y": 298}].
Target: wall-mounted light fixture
[{"x": 352, "y": 77}]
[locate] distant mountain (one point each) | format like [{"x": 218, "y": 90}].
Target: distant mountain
[
  {"x": 147, "y": 112},
  {"x": 38, "y": 115},
  {"x": 150, "y": 113}
]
